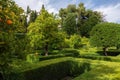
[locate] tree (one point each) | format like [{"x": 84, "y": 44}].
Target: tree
[
  {"x": 89, "y": 20},
  {"x": 33, "y": 16},
  {"x": 85, "y": 19},
  {"x": 62, "y": 14},
  {"x": 69, "y": 24},
  {"x": 105, "y": 35},
  {"x": 9, "y": 23},
  {"x": 44, "y": 31},
  {"x": 28, "y": 10}
]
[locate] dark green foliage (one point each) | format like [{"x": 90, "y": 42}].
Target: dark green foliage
[
  {"x": 96, "y": 57},
  {"x": 79, "y": 20},
  {"x": 33, "y": 16},
  {"x": 20, "y": 45},
  {"x": 54, "y": 69},
  {"x": 69, "y": 24},
  {"x": 105, "y": 35},
  {"x": 110, "y": 52},
  {"x": 104, "y": 58},
  {"x": 28, "y": 10}
]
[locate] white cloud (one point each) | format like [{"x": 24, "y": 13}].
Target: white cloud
[
  {"x": 112, "y": 12},
  {"x": 36, "y": 5},
  {"x": 89, "y": 4},
  {"x": 51, "y": 9}
]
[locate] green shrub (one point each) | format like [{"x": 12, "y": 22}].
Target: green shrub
[
  {"x": 54, "y": 69},
  {"x": 62, "y": 53},
  {"x": 73, "y": 42},
  {"x": 41, "y": 58},
  {"x": 70, "y": 52},
  {"x": 32, "y": 58}
]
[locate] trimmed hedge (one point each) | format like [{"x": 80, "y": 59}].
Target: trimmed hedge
[
  {"x": 72, "y": 52},
  {"x": 110, "y": 52},
  {"x": 105, "y": 58},
  {"x": 54, "y": 69},
  {"x": 62, "y": 53}
]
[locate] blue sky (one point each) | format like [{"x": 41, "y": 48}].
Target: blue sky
[{"x": 109, "y": 8}]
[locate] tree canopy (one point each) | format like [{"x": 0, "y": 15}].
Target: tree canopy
[
  {"x": 105, "y": 35},
  {"x": 44, "y": 31},
  {"x": 79, "y": 19}
]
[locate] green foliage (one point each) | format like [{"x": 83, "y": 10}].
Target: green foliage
[
  {"x": 69, "y": 24},
  {"x": 61, "y": 53},
  {"x": 43, "y": 33},
  {"x": 32, "y": 58},
  {"x": 105, "y": 35},
  {"x": 70, "y": 52},
  {"x": 58, "y": 41},
  {"x": 79, "y": 20},
  {"x": 52, "y": 69},
  {"x": 41, "y": 58},
  {"x": 74, "y": 41}
]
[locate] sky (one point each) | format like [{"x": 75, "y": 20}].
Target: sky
[{"x": 109, "y": 8}]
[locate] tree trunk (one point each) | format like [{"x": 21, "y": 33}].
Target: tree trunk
[
  {"x": 46, "y": 49},
  {"x": 105, "y": 51}
]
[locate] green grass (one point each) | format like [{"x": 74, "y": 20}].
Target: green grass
[{"x": 101, "y": 70}]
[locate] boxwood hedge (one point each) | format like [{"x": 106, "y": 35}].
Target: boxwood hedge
[{"x": 54, "y": 69}]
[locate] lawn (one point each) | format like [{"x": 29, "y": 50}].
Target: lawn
[{"x": 101, "y": 70}]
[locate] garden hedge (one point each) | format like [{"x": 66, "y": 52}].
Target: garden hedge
[{"x": 54, "y": 69}]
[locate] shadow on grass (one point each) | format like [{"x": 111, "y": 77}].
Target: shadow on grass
[{"x": 109, "y": 53}]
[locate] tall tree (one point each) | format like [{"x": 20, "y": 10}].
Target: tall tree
[
  {"x": 69, "y": 24},
  {"x": 28, "y": 10},
  {"x": 62, "y": 14},
  {"x": 44, "y": 31},
  {"x": 33, "y": 16},
  {"x": 85, "y": 19}
]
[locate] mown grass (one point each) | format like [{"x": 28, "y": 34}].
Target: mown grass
[{"x": 101, "y": 70}]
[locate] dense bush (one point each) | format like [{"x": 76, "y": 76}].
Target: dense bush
[{"x": 54, "y": 69}]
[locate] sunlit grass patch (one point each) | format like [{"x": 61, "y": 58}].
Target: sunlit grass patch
[{"x": 101, "y": 70}]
